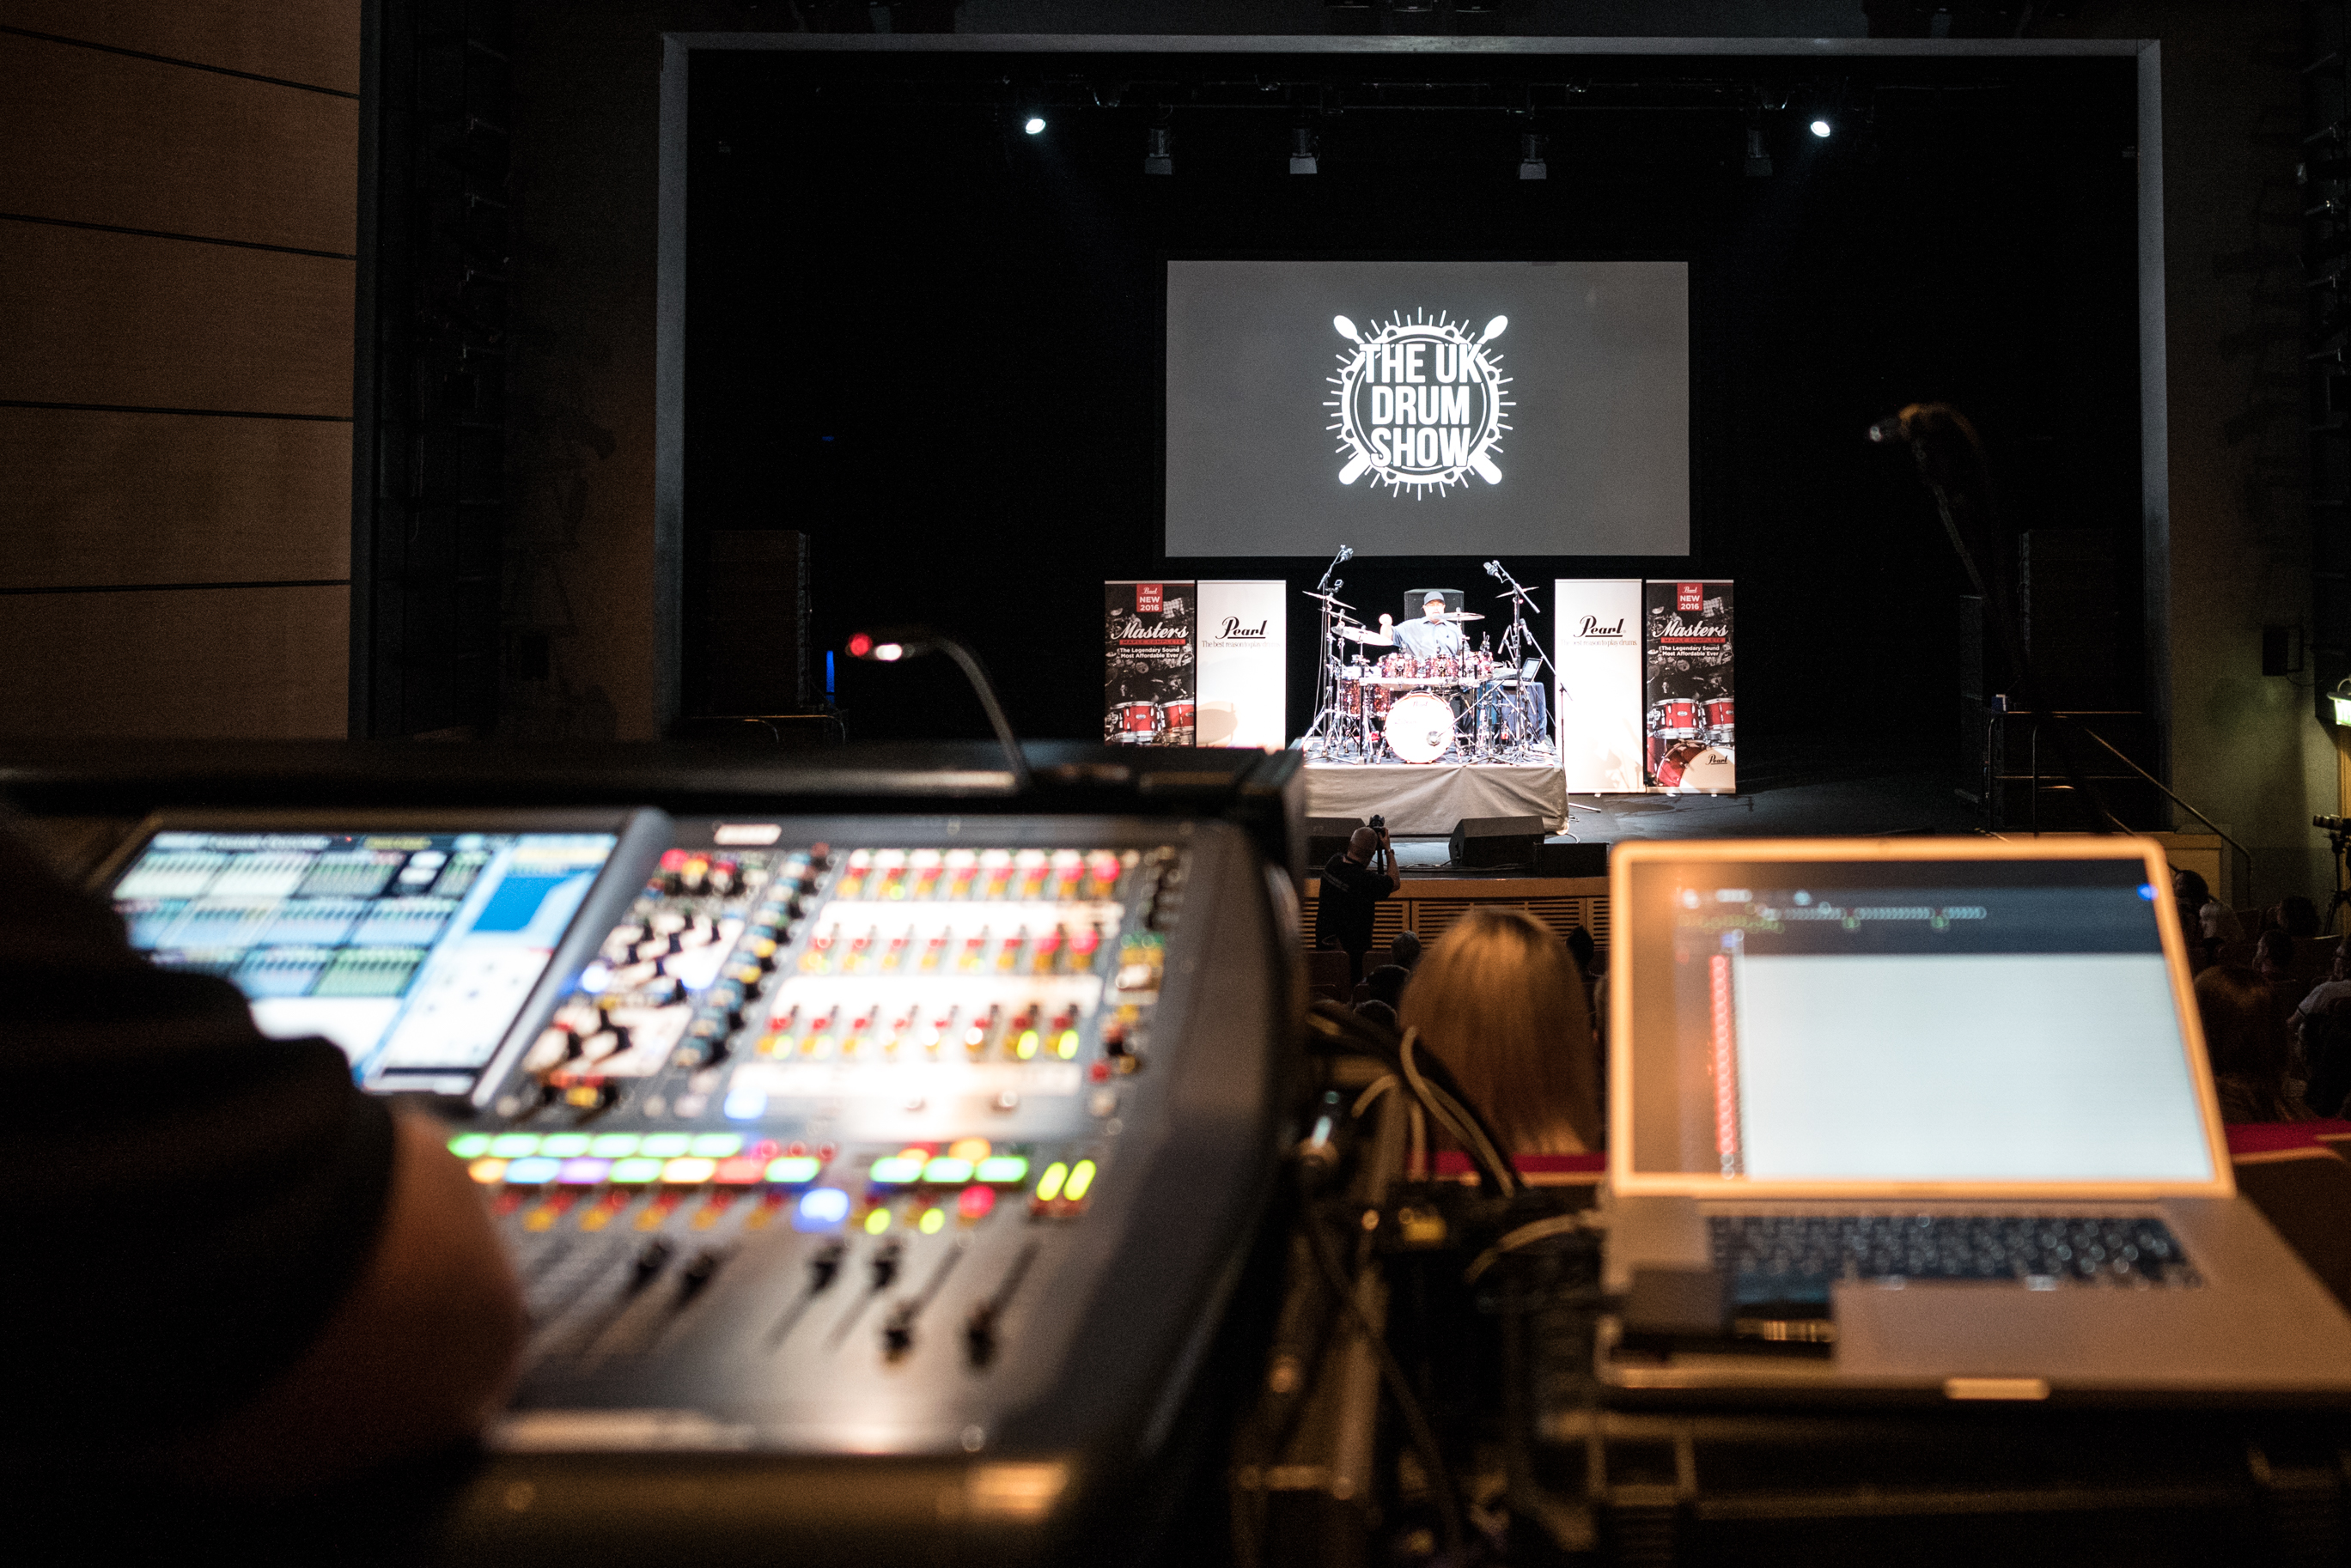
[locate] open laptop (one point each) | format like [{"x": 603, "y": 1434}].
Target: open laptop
[{"x": 1936, "y": 1112}]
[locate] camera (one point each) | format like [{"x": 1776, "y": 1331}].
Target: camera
[
  {"x": 2328, "y": 824},
  {"x": 1379, "y": 823}
]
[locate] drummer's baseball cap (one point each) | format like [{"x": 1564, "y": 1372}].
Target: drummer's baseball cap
[{"x": 1433, "y": 598}]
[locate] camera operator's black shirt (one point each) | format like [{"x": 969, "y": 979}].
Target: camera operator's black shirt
[
  {"x": 186, "y": 1202},
  {"x": 1343, "y": 911}
]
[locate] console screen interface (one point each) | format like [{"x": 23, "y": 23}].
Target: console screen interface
[
  {"x": 1945, "y": 1021},
  {"x": 411, "y": 951}
]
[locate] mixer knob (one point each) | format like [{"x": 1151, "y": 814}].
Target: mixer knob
[
  {"x": 698, "y": 1274},
  {"x": 885, "y": 1264},
  {"x": 825, "y": 1267},
  {"x": 651, "y": 1259},
  {"x": 898, "y": 1333},
  {"x": 979, "y": 1334}
]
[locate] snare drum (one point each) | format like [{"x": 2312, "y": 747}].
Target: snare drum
[
  {"x": 1441, "y": 667},
  {"x": 1179, "y": 722},
  {"x": 1419, "y": 728},
  {"x": 1139, "y": 724}
]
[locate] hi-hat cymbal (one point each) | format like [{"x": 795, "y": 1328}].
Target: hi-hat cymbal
[{"x": 1365, "y": 635}]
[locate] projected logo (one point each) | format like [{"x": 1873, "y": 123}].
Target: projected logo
[{"x": 1420, "y": 404}]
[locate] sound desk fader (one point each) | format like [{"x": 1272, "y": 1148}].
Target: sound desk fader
[{"x": 869, "y": 1179}]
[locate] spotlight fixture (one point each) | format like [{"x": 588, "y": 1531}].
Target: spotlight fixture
[
  {"x": 2340, "y": 701},
  {"x": 1035, "y": 124},
  {"x": 1530, "y": 158},
  {"x": 1157, "y": 156},
  {"x": 1304, "y": 157},
  {"x": 1820, "y": 128}
]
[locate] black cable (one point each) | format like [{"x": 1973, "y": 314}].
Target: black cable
[
  {"x": 1451, "y": 1109},
  {"x": 1417, "y": 1427}
]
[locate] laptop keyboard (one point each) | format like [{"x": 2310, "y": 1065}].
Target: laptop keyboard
[{"x": 1794, "y": 1257}]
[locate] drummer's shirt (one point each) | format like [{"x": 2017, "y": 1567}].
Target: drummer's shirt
[{"x": 1426, "y": 638}]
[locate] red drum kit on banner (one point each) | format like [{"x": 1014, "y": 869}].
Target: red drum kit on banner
[{"x": 1685, "y": 733}]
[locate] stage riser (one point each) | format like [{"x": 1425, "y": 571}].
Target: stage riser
[{"x": 1427, "y": 908}]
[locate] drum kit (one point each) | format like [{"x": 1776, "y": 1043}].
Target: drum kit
[{"x": 1378, "y": 703}]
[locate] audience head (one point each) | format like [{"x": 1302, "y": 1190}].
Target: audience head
[
  {"x": 1379, "y": 1013},
  {"x": 1580, "y": 943},
  {"x": 1407, "y": 948},
  {"x": 1386, "y": 983},
  {"x": 2190, "y": 887},
  {"x": 1497, "y": 999},
  {"x": 2274, "y": 954},
  {"x": 2245, "y": 1039},
  {"x": 2298, "y": 917},
  {"x": 1361, "y": 845}
]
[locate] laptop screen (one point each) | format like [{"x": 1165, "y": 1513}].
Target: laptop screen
[{"x": 1907, "y": 1021}]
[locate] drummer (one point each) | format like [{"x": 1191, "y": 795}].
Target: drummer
[{"x": 1432, "y": 636}]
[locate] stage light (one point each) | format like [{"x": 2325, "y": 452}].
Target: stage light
[
  {"x": 1820, "y": 128},
  {"x": 1037, "y": 123},
  {"x": 2341, "y": 701}
]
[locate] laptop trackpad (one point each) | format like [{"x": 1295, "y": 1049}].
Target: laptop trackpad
[{"x": 2070, "y": 1336}]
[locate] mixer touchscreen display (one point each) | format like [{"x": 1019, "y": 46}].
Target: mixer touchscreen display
[{"x": 411, "y": 951}]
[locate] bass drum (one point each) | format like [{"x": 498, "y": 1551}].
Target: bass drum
[{"x": 1419, "y": 728}]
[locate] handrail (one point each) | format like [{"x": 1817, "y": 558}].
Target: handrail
[{"x": 2158, "y": 783}]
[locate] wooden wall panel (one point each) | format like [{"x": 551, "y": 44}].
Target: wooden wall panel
[
  {"x": 315, "y": 42},
  {"x": 104, "y": 139},
  {"x": 101, "y": 498},
  {"x": 231, "y": 663},
  {"x": 125, "y": 320}
]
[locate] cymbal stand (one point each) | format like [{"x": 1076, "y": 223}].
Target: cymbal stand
[
  {"x": 1326, "y": 735},
  {"x": 1516, "y": 642}
]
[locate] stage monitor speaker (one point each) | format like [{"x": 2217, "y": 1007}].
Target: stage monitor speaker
[
  {"x": 754, "y": 632},
  {"x": 1571, "y": 860},
  {"x": 1496, "y": 840},
  {"x": 1326, "y": 837}
]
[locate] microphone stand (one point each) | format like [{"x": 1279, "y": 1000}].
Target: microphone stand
[
  {"x": 1325, "y": 590},
  {"x": 1518, "y": 640}
]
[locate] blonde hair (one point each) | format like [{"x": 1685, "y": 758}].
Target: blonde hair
[{"x": 1499, "y": 1000}]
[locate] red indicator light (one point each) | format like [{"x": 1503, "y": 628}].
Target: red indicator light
[
  {"x": 1098, "y": 1072},
  {"x": 973, "y": 1202},
  {"x": 860, "y": 646}
]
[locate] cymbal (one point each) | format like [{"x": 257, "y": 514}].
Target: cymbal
[
  {"x": 1364, "y": 634},
  {"x": 1458, "y": 614},
  {"x": 1327, "y": 598}
]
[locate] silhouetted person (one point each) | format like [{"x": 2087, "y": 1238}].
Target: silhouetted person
[
  {"x": 1499, "y": 1000},
  {"x": 1353, "y": 882},
  {"x": 2246, "y": 1041},
  {"x": 1406, "y": 946},
  {"x": 233, "y": 1275},
  {"x": 2297, "y": 917},
  {"x": 1388, "y": 983}
]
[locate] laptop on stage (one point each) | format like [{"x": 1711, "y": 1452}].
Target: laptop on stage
[{"x": 1933, "y": 1115}]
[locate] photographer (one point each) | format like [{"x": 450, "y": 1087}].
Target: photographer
[{"x": 1352, "y": 882}]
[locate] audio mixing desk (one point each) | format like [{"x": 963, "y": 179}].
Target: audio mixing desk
[{"x": 876, "y": 1182}]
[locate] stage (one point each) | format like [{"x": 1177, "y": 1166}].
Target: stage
[{"x": 1430, "y": 798}]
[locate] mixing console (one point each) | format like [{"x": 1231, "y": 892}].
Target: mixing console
[{"x": 897, "y": 1138}]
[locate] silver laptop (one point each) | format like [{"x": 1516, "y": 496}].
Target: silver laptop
[{"x": 1935, "y": 1115}]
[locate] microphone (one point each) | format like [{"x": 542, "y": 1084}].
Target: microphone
[
  {"x": 1893, "y": 427},
  {"x": 1347, "y": 551},
  {"x": 1494, "y": 569}
]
